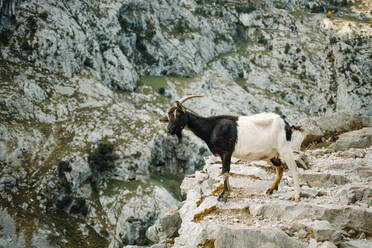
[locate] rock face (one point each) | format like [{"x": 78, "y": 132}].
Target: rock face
[
  {"x": 168, "y": 157},
  {"x": 334, "y": 210},
  {"x": 131, "y": 213}
]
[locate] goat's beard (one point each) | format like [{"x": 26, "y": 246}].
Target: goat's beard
[{"x": 179, "y": 136}]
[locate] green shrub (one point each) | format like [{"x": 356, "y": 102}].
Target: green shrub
[
  {"x": 286, "y": 48},
  {"x": 5, "y": 37},
  {"x": 79, "y": 207},
  {"x": 102, "y": 158},
  {"x": 123, "y": 23},
  {"x": 64, "y": 202},
  {"x": 65, "y": 186},
  {"x": 44, "y": 15},
  {"x": 262, "y": 40},
  {"x": 150, "y": 30},
  {"x": 318, "y": 9},
  {"x": 245, "y": 8},
  {"x": 278, "y": 111},
  {"x": 180, "y": 27},
  {"x": 161, "y": 91},
  {"x": 355, "y": 79},
  {"x": 53, "y": 239},
  {"x": 333, "y": 40},
  {"x": 148, "y": 58},
  {"x": 63, "y": 166}
]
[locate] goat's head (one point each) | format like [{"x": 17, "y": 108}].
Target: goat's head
[{"x": 177, "y": 118}]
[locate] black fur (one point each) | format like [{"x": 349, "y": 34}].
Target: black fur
[
  {"x": 288, "y": 131},
  {"x": 276, "y": 162},
  {"x": 218, "y": 132}
]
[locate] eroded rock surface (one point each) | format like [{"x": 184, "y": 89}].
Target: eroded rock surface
[{"x": 334, "y": 211}]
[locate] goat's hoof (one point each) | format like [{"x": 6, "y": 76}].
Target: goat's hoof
[
  {"x": 222, "y": 197},
  {"x": 269, "y": 191},
  {"x": 295, "y": 198}
]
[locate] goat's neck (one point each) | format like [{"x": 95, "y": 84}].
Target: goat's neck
[{"x": 200, "y": 126}]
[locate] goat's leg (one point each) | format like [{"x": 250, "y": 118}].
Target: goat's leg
[
  {"x": 279, "y": 173},
  {"x": 286, "y": 154},
  {"x": 226, "y": 160}
]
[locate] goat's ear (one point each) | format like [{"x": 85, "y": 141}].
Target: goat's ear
[
  {"x": 179, "y": 105},
  {"x": 164, "y": 119}
]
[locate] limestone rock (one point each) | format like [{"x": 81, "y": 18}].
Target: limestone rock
[
  {"x": 79, "y": 174},
  {"x": 332, "y": 125},
  {"x": 356, "y": 139},
  {"x": 248, "y": 237},
  {"x": 65, "y": 64},
  {"x": 312, "y": 132},
  {"x": 356, "y": 244},
  {"x": 324, "y": 179},
  {"x": 324, "y": 231},
  {"x": 167, "y": 156},
  {"x": 165, "y": 227},
  {"x": 328, "y": 244},
  {"x": 9, "y": 237},
  {"x": 333, "y": 209},
  {"x": 133, "y": 213}
]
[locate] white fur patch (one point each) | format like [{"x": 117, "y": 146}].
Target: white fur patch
[
  {"x": 259, "y": 136},
  {"x": 262, "y": 137}
]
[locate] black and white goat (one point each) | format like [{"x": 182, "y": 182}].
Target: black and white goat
[{"x": 263, "y": 136}]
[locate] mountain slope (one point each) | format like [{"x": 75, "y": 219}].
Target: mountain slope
[{"x": 75, "y": 74}]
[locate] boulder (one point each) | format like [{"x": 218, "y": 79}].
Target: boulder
[
  {"x": 9, "y": 237},
  {"x": 356, "y": 244},
  {"x": 324, "y": 179},
  {"x": 328, "y": 244},
  {"x": 361, "y": 138},
  {"x": 165, "y": 227},
  {"x": 322, "y": 231},
  {"x": 226, "y": 236},
  {"x": 311, "y": 133},
  {"x": 329, "y": 126},
  {"x": 220, "y": 236}
]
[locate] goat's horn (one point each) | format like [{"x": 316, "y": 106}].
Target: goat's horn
[{"x": 183, "y": 99}]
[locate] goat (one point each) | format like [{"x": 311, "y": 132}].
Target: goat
[{"x": 262, "y": 136}]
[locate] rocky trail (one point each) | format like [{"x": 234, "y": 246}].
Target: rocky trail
[{"x": 334, "y": 209}]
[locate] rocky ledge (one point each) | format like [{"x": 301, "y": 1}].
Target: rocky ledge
[{"x": 335, "y": 209}]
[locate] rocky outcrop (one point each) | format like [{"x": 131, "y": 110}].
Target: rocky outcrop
[
  {"x": 130, "y": 212},
  {"x": 165, "y": 227},
  {"x": 64, "y": 37},
  {"x": 357, "y": 139},
  {"x": 169, "y": 157},
  {"x": 329, "y": 128},
  {"x": 334, "y": 210}
]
